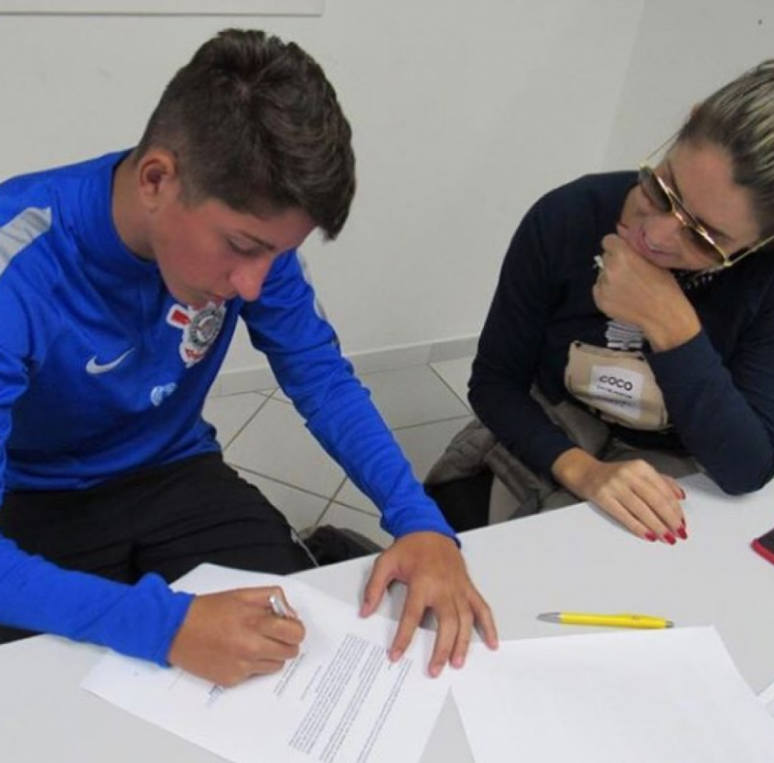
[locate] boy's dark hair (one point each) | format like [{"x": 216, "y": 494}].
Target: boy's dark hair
[{"x": 254, "y": 123}]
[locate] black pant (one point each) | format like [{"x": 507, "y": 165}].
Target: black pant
[
  {"x": 166, "y": 519},
  {"x": 464, "y": 502}
]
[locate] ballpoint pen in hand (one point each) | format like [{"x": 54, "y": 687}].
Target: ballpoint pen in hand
[
  {"x": 613, "y": 621},
  {"x": 278, "y": 606}
]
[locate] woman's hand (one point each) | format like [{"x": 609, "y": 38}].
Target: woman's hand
[
  {"x": 633, "y": 492},
  {"x": 632, "y": 290}
]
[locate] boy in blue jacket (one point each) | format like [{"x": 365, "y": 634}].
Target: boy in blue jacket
[{"x": 121, "y": 283}]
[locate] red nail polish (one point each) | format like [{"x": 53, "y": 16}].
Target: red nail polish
[
  {"x": 682, "y": 494},
  {"x": 682, "y": 533},
  {"x": 670, "y": 539},
  {"x": 651, "y": 537}
]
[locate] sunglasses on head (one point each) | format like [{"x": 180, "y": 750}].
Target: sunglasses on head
[{"x": 666, "y": 200}]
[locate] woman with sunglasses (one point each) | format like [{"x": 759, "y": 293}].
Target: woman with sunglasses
[{"x": 631, "y": 337}]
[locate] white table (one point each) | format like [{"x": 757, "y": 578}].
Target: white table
[{"x": 571, "y": 559}]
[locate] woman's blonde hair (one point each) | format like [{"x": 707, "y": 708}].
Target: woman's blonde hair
[{"x": 739, "y": 117}]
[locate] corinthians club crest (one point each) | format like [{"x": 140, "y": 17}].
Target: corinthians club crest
[{"x": 200, "y": 329}]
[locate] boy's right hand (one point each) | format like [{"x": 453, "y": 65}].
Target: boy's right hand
[{"x": 229, "y": 636}]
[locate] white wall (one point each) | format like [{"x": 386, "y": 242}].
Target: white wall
[
  {"x": 684, "y": 51},
  {"x": 463, "y": 114}
]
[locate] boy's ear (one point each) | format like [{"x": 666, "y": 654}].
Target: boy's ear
[{"x": 157, "y": 177}]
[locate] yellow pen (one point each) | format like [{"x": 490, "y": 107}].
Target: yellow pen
[{"x": 612, "y": 621}]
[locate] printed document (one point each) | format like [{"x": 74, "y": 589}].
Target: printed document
[
  {"x": 340, "y": 700},
  {"x": 671, "y": 696}
]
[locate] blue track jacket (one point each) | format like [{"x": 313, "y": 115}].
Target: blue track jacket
[{"x": 102, "y": 373}]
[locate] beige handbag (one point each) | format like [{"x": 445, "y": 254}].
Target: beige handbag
[{"x": 619, "y": 384}]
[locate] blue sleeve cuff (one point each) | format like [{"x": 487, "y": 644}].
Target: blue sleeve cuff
[
  {"x": 138, "y": 620},
  {"x": 141, "y": 622}
]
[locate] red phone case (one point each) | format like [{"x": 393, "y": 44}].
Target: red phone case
[{"x": 765, "y": 546}]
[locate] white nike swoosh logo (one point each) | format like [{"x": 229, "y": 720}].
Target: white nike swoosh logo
[{"x": 92, "y": 367}]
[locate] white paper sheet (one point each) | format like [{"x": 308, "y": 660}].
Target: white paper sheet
[
  {"x": 340, "y": 700},
  {"x": 669, "y": 696},
  {"x": 767, "y": 698}
]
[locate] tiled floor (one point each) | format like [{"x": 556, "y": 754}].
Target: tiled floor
[{"x": 265, "y": 439}]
